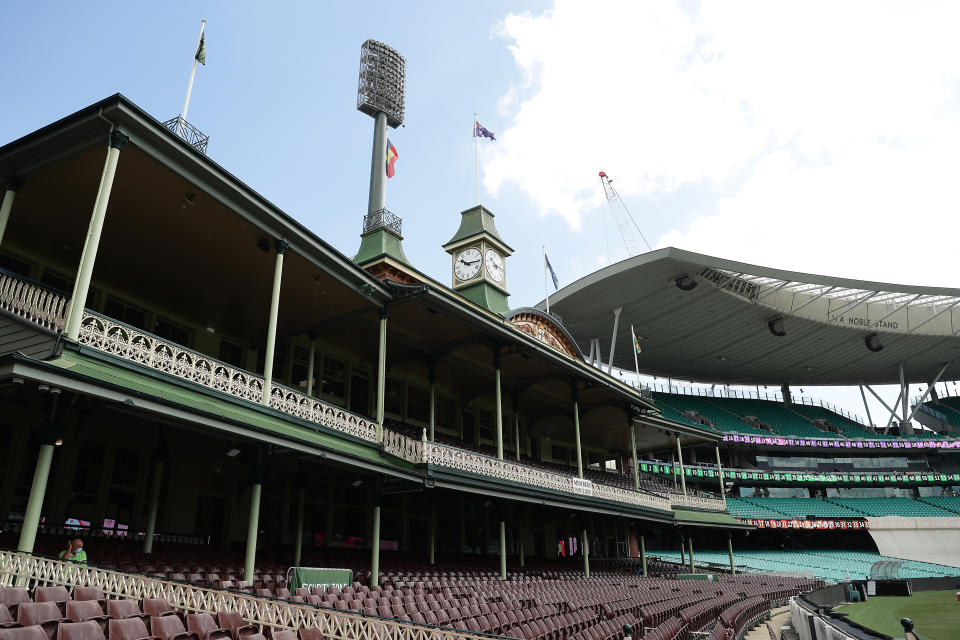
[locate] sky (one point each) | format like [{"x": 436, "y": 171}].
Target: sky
[{"x": 813, "y": 136}]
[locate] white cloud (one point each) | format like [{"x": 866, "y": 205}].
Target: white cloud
[{"x": 831, "y": 127}]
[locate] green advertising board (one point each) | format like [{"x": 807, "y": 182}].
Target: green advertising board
[{"x": 321, "y": 577}]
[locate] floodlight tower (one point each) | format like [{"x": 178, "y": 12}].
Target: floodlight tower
[{"x": 381, "y": 96}]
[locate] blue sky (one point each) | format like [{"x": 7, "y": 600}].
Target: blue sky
[{"x": 806, "y": 136}]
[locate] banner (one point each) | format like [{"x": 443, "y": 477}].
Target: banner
[
  {"x": 321, "y": 577},
  {"x": 794, "y": 477},
  {"x": 827, "y": 443},
  {"x": 812, "y": 525}
]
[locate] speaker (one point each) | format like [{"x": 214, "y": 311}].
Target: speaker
[
  {"x": 873, "y": 343},
  {"x": 685, "y": 282},
  {"x": 776, "y": 327}
]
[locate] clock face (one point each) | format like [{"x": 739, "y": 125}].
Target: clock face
[
  {"x": 467, "y": 264},
  {"x": 494, "y": 264}
]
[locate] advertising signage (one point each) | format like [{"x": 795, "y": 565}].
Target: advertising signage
[
  {"x": 803, "y": 478},
  {"x": 826, "y": 443},
  {"x": 811, "y": 525}
]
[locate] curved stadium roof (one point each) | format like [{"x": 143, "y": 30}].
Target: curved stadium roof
[{"x": 713, "y": 320}]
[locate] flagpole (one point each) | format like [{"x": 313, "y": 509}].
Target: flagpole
[
  {"x": 193, "y": 73},
  {"x": 476, "y": 159},
  {"x": 546, "y": 290}
]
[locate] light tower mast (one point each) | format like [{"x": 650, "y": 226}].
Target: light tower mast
[{"x": 622, "y": 215}]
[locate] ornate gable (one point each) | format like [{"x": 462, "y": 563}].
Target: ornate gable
[{"x": 544, "y": 328}]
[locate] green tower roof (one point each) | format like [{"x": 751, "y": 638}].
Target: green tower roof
[{"x": 476, "y": 222}]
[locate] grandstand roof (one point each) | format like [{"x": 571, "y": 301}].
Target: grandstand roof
[{"x": 714, "y": 320}]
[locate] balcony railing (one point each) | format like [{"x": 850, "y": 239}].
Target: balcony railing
[
  {"x": 383, "y": 219},
  {"x": 37, "y": 304},
  {"x": 33, "y": 571},
  {"x": 193, "y": 136}
]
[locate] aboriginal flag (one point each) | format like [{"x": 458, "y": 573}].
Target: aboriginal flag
[{"x": 392, "y": 156}]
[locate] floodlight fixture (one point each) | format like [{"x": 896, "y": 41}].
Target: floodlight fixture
[
  {"x": 685, "y": 282},
  {"x": 383, "y": 80},
  {"x": 776, "y": 326},
  {"x": 873, "y": 343}
]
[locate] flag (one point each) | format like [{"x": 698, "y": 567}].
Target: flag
[
  {"x": 392, "y": 156},
  {"x": 636, "y": 345},
  {"x": 553, "y": 275},
  {"x": 479, "y": 131},
  {"x": 201, "y": 56}
]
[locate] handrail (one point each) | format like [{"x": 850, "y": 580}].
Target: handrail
[
  {"x": 30, "y": 571},
  {"x": 443, "y": 455},
  {"x": 898, "y": 477}
]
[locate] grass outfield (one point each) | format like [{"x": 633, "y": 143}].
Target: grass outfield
[{"x": 936, "y": 614}]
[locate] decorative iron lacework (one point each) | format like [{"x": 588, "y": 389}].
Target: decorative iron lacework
[
  {"x": 31, "y": 571},
  {"x": 47, "y": 309}
]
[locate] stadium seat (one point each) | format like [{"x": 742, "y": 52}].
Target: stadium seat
[
  {"x": 235, "y": 624},
  {"x": 35, "y": 632},
  {"x": 45, "y": 614},
  {"x": 87, "y": 610},
  {"x": 11, "y": 597},
  {"x": 206, "y": 627},
  {"x": 89, "y": 630},
  {"x": 89, "y": 593},
  {"x": 57, "y": 594},
  {"x": 171, "y": 628},
  {"x": 128, "y": 629},
  {"x": 7, "y": 620},
  {"x": 125, "y": 608},
  {"x": 157, "y": 607}
]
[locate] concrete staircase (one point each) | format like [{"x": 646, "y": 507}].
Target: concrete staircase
[{"x": 779, "y": 618}]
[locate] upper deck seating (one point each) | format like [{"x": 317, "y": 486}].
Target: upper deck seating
[
  {"x": 782, "y": 421},
  {"x": 722, "y": 420},
  {"x": 906, "y": 507}
]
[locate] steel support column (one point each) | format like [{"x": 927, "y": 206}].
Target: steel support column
[
  {"x": 733, "y": 570},
  {"x": 643, "y": 555},
  {"x": 499, "y": 400},
  {"x": 154, "y": 504},
  {"x": 311, "y": 363},
  {"x": 928, "y": 390},
  {"x": 693, "y": 568},
  {"x": 683, "y": 480},
  {"x": 903, "y": 393},
  {"x": 253, "y": 524},
  {"x": 723, "y": 487},
  {"x": 11, "y": 185},
  {"x": 81, "y": 287},
  {"x": 586, "y": 552},
  {"x": 503, "y": 550},
  {"x": 613, "y": 338},
  {"x": 576, "y": 433},
  {"x": 866, "y": 407},
  {"x": 381, "y": 370},
  {"x": 281, "y": 248},
  {"x": 31, "y": 519},
  {"x": 432, "y": 545},
  {"x": 298, "y": 537},
  {"x": 375, "y": 546},
  {"x": 633, "y": 454}
]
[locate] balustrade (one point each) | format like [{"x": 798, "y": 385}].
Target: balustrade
[
  {"x": 43, "y": 307},
  {"x": 31, "y": 571}
]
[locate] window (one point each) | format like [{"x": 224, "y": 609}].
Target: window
[
  {"x": 445, "y": 412},
  {"x": 14, "y": 265},
  {"x": 279, "y": 360},
  {"x": 418, "y": 404},
  {"x": 169, "y": 330},
  {"x": 231, "y": 353},
  {"x": 394, "y": 400},
  {"x": 558, "y": 452},
  {"x": 485, "y": 424},
  {"x": 335, "y": 380},
  {"x": 301, "y": 358},
  {"x": 124, "y": 312}
]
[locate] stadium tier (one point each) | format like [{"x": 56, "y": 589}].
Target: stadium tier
[
  {"x": 211, "y": 400},
  {"x": 826, "y": 564}
]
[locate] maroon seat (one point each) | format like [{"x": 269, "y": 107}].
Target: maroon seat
[
  {"x": 310, "y": 633},
  {"x": 126, "y": 608},
  {"x": 84, "y": 610},
  {"x": 157, "y": 607},
  {"x": 170, "y": 628},
  {"x": 45, "y": 614},
  {"x": 56, "y": 594},
  {"x": 88, "y": 630},
  {"x": 12, "y": 597},
  {"x": 34, "y": 632},
  {"x": 283, "y": 592},
  {"x": 206, "y": 627},
  {"x": 236, "y": 625},
  {"x": 88, "y": 593},
  {"x": 284, "y": 634},
  {"x": 128, "y": 629}
]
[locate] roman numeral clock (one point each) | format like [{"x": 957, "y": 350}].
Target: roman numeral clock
[{"x": 478, "y": 257}]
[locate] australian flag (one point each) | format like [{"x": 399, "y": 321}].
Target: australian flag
[{"x": 479, "y": 131}]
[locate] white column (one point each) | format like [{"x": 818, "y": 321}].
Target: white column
[
  {"x": 311, "y": 363},
  {"x": 432, "y": 546},
  {"x": 298, "y": 538},
  {"x": 683, "y": 479},
  {"x": 643, "y": 555},
  {"x": 503, "y": 550},
  {"x": 433, "y": 404},
  {"x": 576, "y": 434},
  {"x": 81, "y": 287},
  {"x": 154, "y": 504},
  {"x": 613, "y": 338},
  {"x": 723, "y": 487},
  {"x": 31, "y": 519},
  {"x": 281, "y": 247},
  {"x": 516, "y": 430},
  {"x": 633, "y": 452},
  {"x": 375, "y": 545},
  {"x": 381, "y": 376},
  {"x": 733, "y": 570},
  {"x": 499, "y": 407},
  {"x": 12, "y": 184},
  {"x": 252, "y": 525},
  {"x": 586, "y": 552}
]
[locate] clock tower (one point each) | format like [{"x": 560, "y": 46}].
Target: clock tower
[{"x": 479, "y": 261}]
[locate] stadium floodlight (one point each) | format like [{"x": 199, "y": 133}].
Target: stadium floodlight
[
  {"x": 383, "y": 79},
  {"x": 685, "y": 283},
  {"x": 873, "y": 343},
  {"x": 776, "y": 326}
]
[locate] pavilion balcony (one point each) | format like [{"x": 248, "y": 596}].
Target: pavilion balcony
[
  {"x": 193, "y": 136},
  {"x": 46, "y": 308}
]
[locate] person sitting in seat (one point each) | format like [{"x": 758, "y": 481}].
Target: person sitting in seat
[{"x": 74, "y": 552}]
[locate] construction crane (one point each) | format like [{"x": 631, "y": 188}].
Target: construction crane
[{"x": 622, "y": 215}]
